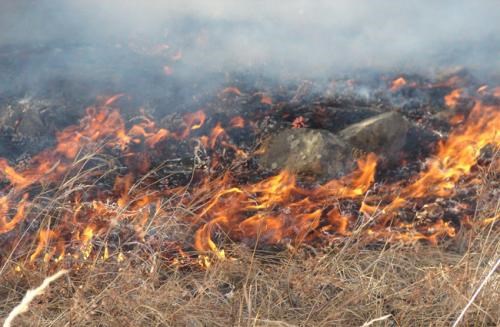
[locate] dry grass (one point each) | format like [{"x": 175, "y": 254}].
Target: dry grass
[
  {"x": 344, "y": 285},
  {"x": 416, "y": 286}
]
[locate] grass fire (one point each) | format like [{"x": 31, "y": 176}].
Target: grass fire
[{"x": 146, "y": 179}]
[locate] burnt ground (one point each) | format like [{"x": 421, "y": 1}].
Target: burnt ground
[
  {"x": 35, "y": 103},
  {"x": 33, "y": 107}
]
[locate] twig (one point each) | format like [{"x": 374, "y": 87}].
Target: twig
[
  {"x": 369, "y": 323},
  {"x": 476, "y": 293},
  {"x": 30, "y": 296}
]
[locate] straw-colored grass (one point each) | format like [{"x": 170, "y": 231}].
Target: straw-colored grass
[{"x": 406, "y": 286}]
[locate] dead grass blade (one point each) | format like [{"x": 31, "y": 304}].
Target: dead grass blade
[
  {"x": 476, "y": 293},
  {"x": 30, "y": 296}
]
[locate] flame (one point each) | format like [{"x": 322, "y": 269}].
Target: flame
[
  {"x": 299, "y": 122},
  {"x": 193, "y": 121},
  {"x": 217, "y": 133},
  {"x": 265, "y": 99},
  {"x": 397, "y": 84},
  {"x": 111, "y": 100},
  {"x": 454, "y": 159},
  {"x": 45, "y": 238},
  {"x": 101, "y": 125},
  {"x": 237, "y": 122},
  {"x": 16, "y": 179},
  {"x": 122, "y": 186},
  {"x": 86, "y": 238},
  {"x": 301, "y": 209},
  {"x": 457, "y": 155},
  {"x": 451, "y": 99},
  {"x": 232, "y": 90},
  {"x": 276, "y": 210},
  {"x": 8, "y": 225}
]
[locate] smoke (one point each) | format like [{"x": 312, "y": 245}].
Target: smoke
[{"x": 298, "y": 37}]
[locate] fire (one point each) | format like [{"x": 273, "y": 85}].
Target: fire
[
  {"x": 276, "y": 210},
  {"x": 232, "y": 90},
  {"x": 299, "y": 122},
  {"x": 454, "y": 159},
  {"x": 237, "y": 122},
  {"x": 265, "y": 99},
  {"x": 16, "y": 179},
  {"x": 217, "y": 133},
  {"x": 451, "y": 99},
  {"x": 8, "y": 225},
  {"x": 397, "y": 84},
  {"x": 113, "y": 99},
  {"x": 86, "y": 238},
  {"x": 457, "y": 155},
  {"x": 194, "y": 121},
  {"x": 45, "y": 238}
]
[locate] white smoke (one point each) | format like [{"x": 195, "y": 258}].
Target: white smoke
[{"x": 303, "y": 36}]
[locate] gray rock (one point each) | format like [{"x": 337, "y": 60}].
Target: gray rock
[
  {"x": 384, "y": 134},
  {"x": 304, "y": 151}
]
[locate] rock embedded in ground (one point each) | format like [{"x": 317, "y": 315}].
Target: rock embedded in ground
[
  {"x": 384, "y": 134},
  {"x": 310, "y": 152},
  {"x": 335, "y": 119}
]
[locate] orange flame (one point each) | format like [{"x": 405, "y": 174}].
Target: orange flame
[
  {"x": 193, "y": 121},
  {"x": 276, "y": 210},
  {"x": 266, "y": 100},
  {"x": 237, "y": 122},
  {"x": 232, "y": 90},
  {"x": 397, "y": 84},
  {"x": 229, "y": 209},
  {"x": 5, "y": 225},
  {"x": 113, "y": 99},
  {"x": 451, "y": 99},
  {"x": 458, "y": 153},
  {"x": 45, "y": 238},
  {"x": 217, "y": 132}
]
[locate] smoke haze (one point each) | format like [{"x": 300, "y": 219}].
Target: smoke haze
[{"x": 310, "y": 38}]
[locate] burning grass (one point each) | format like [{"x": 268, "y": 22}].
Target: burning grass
[
  {"x": 219, "y": 247},
  {"x": 348, "y": 286}
]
